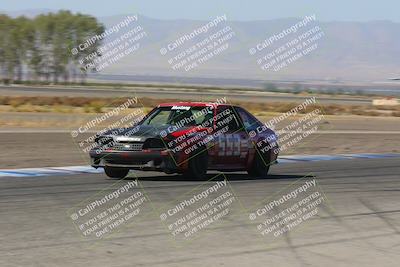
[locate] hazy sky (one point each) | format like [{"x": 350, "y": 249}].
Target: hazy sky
[{"x": 353, "y": 10}]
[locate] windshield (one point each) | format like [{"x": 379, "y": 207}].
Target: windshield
[{"x": 181, "y": 116}]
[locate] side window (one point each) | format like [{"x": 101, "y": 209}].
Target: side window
[
  {"x": 226, "y": 117},
  {"x": 248, "y": 120}
]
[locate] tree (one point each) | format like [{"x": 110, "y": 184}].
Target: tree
[
  {"x": 4, "y": 32},
  {"x": 21, "y": 35},
  {"x": 44, "y": 44},
  {"x": 85, "y": 28}
]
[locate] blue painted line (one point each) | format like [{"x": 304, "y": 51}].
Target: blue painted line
[
  {"x": 16, "y": 173},
  {"x": 283, "y": 161},
  {"x": 83, "y": 172},
  {"x": 48, "y": 171},
  {"x": 313, "y": 157},
  {"x": 305, "y": 158},
  {"x": 63, "y": 170},
  {"x": 372, "y": 156}
]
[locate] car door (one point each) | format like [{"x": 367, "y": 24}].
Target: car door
[
  {"x": 231, "y": 141},
  {"x": 251, "y": 126}
]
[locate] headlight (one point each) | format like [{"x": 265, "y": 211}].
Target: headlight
[{"x": 103, "y": 140}]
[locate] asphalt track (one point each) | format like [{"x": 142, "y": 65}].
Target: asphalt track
[
  {"x": 160, "y": 93},
  {"x": 359, "y": 227}
]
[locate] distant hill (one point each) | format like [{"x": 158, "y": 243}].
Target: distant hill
[
  {"x": 357, "y": 51},
  {"x": 362, "y": 51}
]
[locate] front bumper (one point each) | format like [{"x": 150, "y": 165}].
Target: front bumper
[{"x": 158, "y": 160}]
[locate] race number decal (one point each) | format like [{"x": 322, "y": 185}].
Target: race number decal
[{"x": 232, "y": 145}]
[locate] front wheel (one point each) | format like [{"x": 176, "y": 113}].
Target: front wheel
[
  {"x": 260, "y": 166},
  {"x": 114, "y": 172},
  {"x": 198, "y": 165}
]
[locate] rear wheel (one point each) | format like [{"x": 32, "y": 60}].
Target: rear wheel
[
  {"x": 114, "y": 172},
  {"x": 198, "y": 165},
  {"x": 260, "y": 166}
]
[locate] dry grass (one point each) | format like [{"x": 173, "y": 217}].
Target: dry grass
[{"x": 98, "y": 105}]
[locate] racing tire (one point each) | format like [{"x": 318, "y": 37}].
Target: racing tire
[
  {"x": 198, "y": 165},
  {"x": 260, "y": 166},
  {"x": 117, "y": 173}
]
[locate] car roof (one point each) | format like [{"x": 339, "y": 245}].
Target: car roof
[{"x": 192, "y": 104}]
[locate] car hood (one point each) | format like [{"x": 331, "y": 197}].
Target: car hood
[{"x": 140, "y": 133}]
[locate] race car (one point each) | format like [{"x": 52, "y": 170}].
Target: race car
[{"x": 188, "y": 138}]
